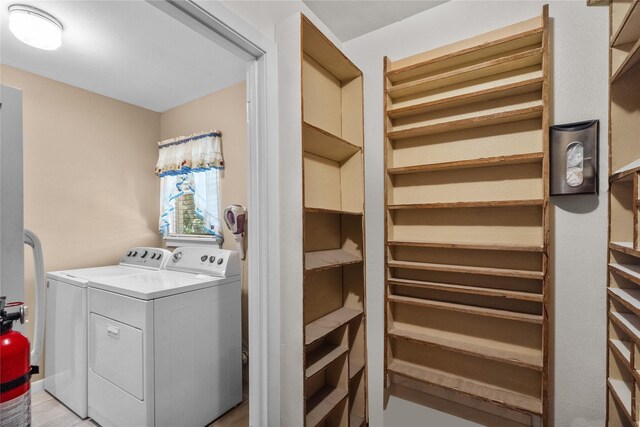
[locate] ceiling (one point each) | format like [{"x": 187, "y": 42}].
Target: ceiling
[
  {"x": 349, "y": 19},
  {"x": 127, "y": 50}
]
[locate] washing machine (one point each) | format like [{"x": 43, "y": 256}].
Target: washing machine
[
  {"x": 165, "y": 348},
  {"x": 66, "y": 322}
]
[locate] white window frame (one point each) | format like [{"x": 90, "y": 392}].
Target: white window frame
[{"x": 213, "y": 20}]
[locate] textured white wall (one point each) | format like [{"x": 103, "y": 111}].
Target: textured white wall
[{"x": 579, "y": 92}]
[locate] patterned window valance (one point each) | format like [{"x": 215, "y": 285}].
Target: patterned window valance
[{"x": 198, "y": 152}]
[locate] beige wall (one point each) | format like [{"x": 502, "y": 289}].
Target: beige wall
[
  {"x": 226, "y": 111},
  {"x": 89, "y": 187}
]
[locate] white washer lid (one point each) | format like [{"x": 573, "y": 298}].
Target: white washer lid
[
  {"x": 158, "y": 284},
  {"x": 81, "y": 276}
]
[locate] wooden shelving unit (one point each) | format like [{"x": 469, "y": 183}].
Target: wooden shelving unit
[
  {"x": 467, "y": 220},
  {"x": 623, "y": 282},
  {"x": 333, "y": 306}
]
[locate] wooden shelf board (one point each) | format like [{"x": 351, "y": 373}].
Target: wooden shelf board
[
  {"x": 629, "y": 29},
  {"x": 630, "y": 298},
  {"x": 320, "y": 405},
  {"x": 504, "y": 91},
  {"x": 628, "y": 322},
  {"x": 468, "y": 309},
  {"x": 325, "y": 53},
  {"x": 623, "y": 348},
  {"x": 628, "y": 271},
  {"x": 470, "y": 246},
  {"x": 330, "y": 211},
  {"x": 355, "y": 420},
  {"x": 528, "y": 358},
  {"x": 329, "y": 323},
  {"x": 469, "y": 164},
  {"x": 324, "y": 144},
  {"x": 621, "y": 392},
  {"x": 323, "y": 356},
  {"x": 503, "y": 44},
  {"x": 452, "y": 268},
  {"x": 629, "y": 61},
  {"x": 625, "y": 247},
  {"x": 476, "y": 204},
  {"x": 355, "y": 366},
  {"x": 472, "y": 290},
  {"x": 321, "y": 260},
  {"x": 479, "y": 390},
  {"x": 468, "y": 123},
  {"x": 492, "y": 67},
  {"x": 626, "y": 172}
]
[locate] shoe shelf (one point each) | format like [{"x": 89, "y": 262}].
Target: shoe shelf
[
  {"x": 467, "y": 221},
  {"x": 333, "y": 282}
]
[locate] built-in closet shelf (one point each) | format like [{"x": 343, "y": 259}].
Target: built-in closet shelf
[
  {"x": 464, "y": 289},
  {"x": 469, "y": 164},
  {"x": 355, "y": 366},
  {"x": 470, "y": 246},
  {"x": 630, "y": 323},
  {"x": 504, "y": 91},
  {"x": 356, "y": 421},
  {"x": 628, "y": 271},
  {"x": 322, "y": 260},
  {"x": 331, "y": 211},
  {"x": 628, "y": 62},
  {"x": 475, "y": 204},
  {"x": 321, "y": 357},
  {"x": 629, "y": 29},
  {"x": 622, "y": 392},
  {"x": 482, "y": 391},
  {"x": 325, "y": 325},
  {"x": 625, "y": 247},
  {"x": 487, "y": 349},
  {"x": 474, "y": 53},
  {"x": 468, "y": 219},
  {"x": 508, "y": 116},
  {"x": 467, "y": 269},
  {"x": 320, "y": 405},
  {"x": 467, "y": 309},
  {"x": 625, "y": 173},
  {"x": 477, "y": 71},
  {"x": 630, "y": 298},
  {"x": 623, "y": 348},
  {"x": 324, "y": 144}
]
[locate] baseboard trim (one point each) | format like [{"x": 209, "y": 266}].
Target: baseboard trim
[{"x": 37, "y": 386}]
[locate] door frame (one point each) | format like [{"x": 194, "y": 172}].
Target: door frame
[{"x": 216, "y": 22}]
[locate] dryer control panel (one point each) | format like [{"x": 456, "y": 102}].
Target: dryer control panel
[
  {"x": 155, "y": 258},
  {"x": 203, "y": 260}
]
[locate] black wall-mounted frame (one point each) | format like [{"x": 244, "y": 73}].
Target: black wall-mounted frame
[{"x": 574, "y": 158}]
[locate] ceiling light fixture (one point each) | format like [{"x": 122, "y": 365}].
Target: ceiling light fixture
[{"x": 35, "y": 27}]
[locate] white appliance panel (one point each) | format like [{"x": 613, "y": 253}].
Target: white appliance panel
[
  {"x": 198, "y": 355},
  {"x": 66, "y": 345},
  {"x": 115, "y": 354}
]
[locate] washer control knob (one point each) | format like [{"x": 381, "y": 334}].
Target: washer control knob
[
  {"x": 159, "y": 256},
  {"x": 212, "y": 258},
  {"x": 129, "y": 253},
  {"x": 203, "y": 258},
  {"x": 176, "y": 256},
  {"x": 135, "y": 253},
  {"x": 144, "y": 254},
  {"x": 153, "y": 255},
  {"x": 220, "y": 261}
]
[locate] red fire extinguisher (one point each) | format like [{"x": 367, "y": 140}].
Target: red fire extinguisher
[{"x": 15, "y": 369}]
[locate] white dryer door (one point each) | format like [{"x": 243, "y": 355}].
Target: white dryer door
[{"x": 116, "y": 354}]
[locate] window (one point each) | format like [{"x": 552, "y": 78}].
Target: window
[{"x": 189, "y": 170}]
